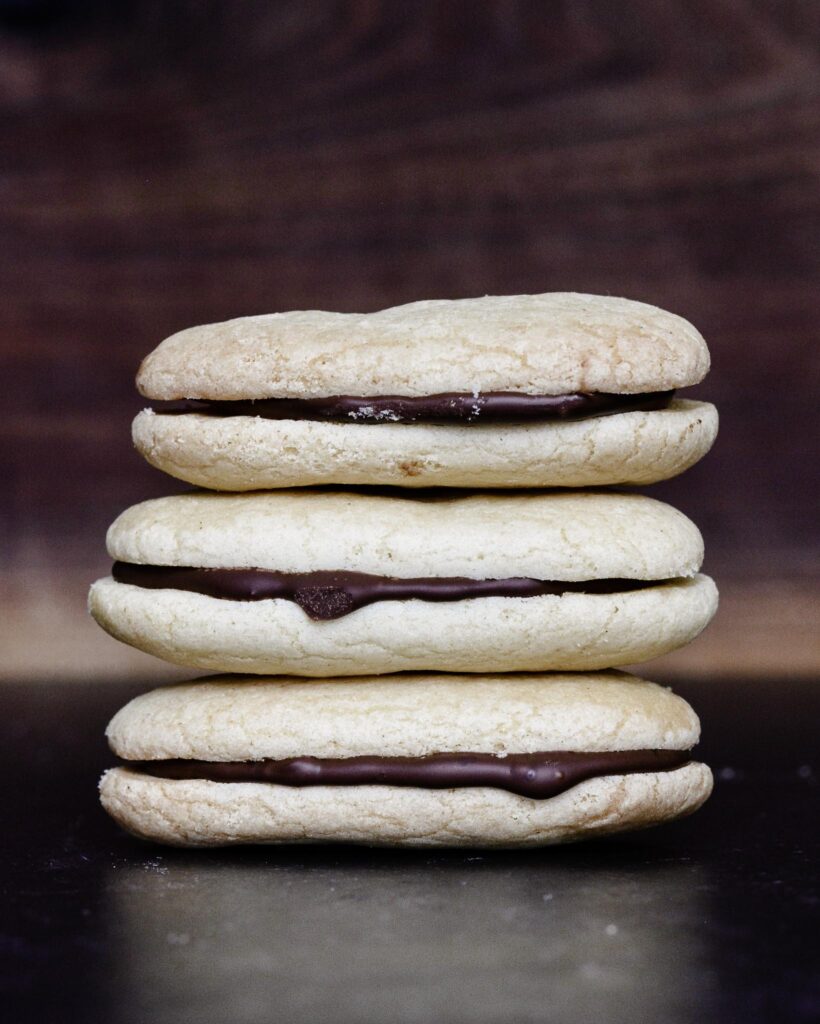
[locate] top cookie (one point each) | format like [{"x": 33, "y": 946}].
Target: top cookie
[
  {"x": 231, "y": 718},
  {"x": 549, "y": 536},
  {"x": 551, "y": 344}
]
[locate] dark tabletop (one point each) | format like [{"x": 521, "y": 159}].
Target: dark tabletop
[{"x": 710, "y": 919}]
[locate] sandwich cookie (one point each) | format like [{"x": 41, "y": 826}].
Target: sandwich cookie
[
  {"x": 417, "y": 760},
  {"x": 554, "y": 390},
  {"x": 328, "y": 583}
]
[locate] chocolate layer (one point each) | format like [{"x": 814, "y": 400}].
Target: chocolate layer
[
  {"x": 330, "y": 595},
  {"x": 539, "y": 775},
  {"x": 447, "y": 407}
]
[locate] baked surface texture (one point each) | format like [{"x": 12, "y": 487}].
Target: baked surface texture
[
  {"x": 201, "y": 813},
  {"x": 548, "y": 344},
  {"x": 487, "y": 634},
  {"x": 240, "y": 719},
  {"x": 562, "y": 536},
  {"x": 241, "y": 453}
]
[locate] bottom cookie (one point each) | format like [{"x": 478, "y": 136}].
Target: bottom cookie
[
  {"x": 409, "y": 760},
  {"x": 196, "y": 812}
]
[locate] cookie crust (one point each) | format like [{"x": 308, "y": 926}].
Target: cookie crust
[
  {"x": 492, "y": 634},
  {"x": 235, "y": 718},
  {"x": 201, "y": 813},
  {"x": 245, "y": 453},
  {"x": 553, "y": 343},
  {"x": 561, "y": 536}
]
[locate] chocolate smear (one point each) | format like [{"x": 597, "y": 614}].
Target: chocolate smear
[
  {"x": 538, "y": 775},
  {"x": 333, "y": 594},
  {"x": 447, "y": 407}
]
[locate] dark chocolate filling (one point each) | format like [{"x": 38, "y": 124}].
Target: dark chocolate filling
[
  {"x": 332, "y": 594},
  {"x": 538, "y": 775},
  {"x": 447, "y": 407}
]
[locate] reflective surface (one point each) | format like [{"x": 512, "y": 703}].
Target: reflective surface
[{"x": 713, "y": 918}]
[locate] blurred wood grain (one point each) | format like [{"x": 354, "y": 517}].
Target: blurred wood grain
[{"x": 165, "y": 164}]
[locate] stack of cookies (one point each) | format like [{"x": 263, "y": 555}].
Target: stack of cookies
[{"x": 420, "y": 608}]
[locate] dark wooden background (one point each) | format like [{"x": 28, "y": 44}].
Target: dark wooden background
[{"x": 171, "y": 163}]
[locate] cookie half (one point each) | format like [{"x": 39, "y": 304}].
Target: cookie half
[
  {"x": 243, "y": 452},
  {"x": 418, "y": 760},
  {"x": 324, "y": 583},
  {"x": 546, "y": 390}
]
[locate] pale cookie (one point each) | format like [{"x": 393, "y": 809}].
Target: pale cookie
[
  {"x": 241, "y": 453},
  {"x": 563, "y": 536},
  {"x": 487, "y": 634},
  {"x": 548, "y": 344},
  {"x": 323, "y": 583},
  {"x": 416, "y": 760},
  {"x": 554, "y": 390},
  {"x": 236, "y": 718}
]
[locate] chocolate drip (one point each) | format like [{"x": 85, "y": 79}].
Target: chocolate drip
[
  {"x": 332, "y": 594},
  {"x": 447, "y": 407},
  {"x": 539, "y": 775}
]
